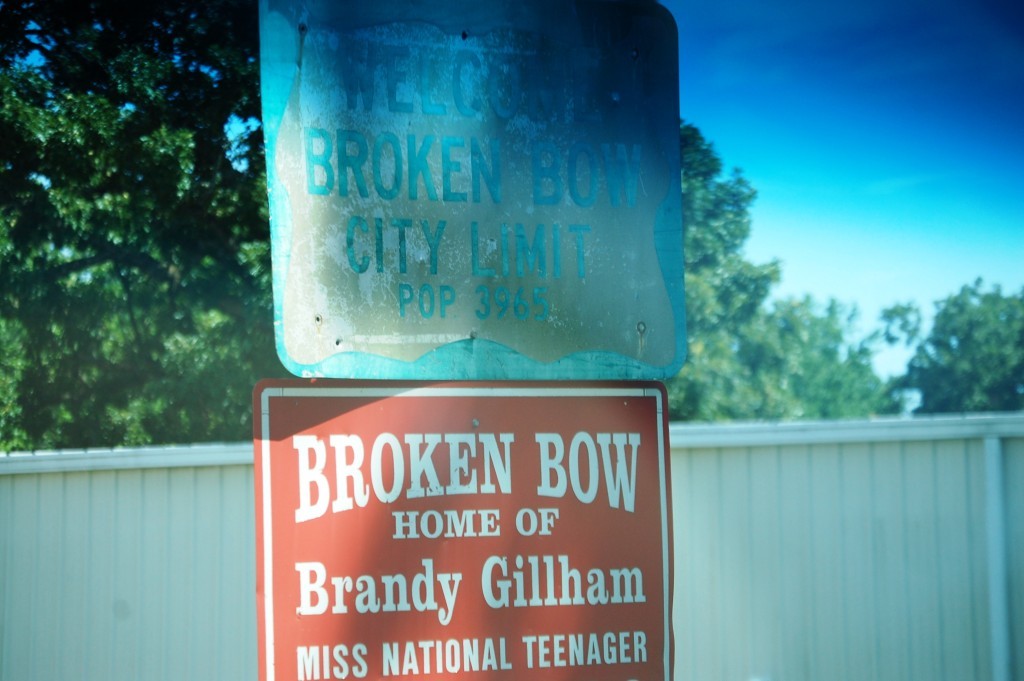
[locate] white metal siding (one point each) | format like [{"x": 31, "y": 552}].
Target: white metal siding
[
  {"x": 1013, "y": 452},
  {"x": 128, "y": 574},
  {"x": 803, "y": 551},
  {"x": 853, "y": 561}
]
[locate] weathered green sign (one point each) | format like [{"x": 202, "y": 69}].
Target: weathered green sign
[{"x": 467, "y": 190}]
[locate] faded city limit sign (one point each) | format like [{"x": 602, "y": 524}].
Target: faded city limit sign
[{"x": 474, "y": 190}]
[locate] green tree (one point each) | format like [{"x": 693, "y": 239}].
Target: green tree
[
  {"x": 798, "y": 362},
  {"x": 723, "y": 290},
  {"x": 749, "y": 360},
  {"x": 134, "y": 250},
  {"x": 973, "y": 357},
  {"x": 133, "y": 235}
]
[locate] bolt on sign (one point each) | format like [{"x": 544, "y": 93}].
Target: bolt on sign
[
  {"x": 474, "y": 190},
  {"x": 500, "y": 531}
]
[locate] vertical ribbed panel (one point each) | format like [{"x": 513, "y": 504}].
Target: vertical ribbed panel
[
  {"x": 797, "y": 557},
  {"x": 128, "y": 574},
  {"x": 1013, "y": 492},
  {"x": 839, "y": 561}
]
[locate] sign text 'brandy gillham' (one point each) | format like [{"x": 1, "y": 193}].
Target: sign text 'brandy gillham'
[{"x": 477, "y": 464}]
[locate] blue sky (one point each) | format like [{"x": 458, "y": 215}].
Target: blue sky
[{"x": 885, "y": 140}]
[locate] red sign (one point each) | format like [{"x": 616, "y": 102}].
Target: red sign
[{"x": 498, "y": 531}]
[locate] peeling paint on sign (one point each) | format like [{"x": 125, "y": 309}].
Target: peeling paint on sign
[{"x": 485, "y": 192}]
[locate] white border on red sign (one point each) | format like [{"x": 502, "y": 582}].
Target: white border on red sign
[{"x": 483, "y": 391}]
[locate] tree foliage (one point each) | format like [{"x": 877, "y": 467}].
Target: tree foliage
[
  {"x": 134, "y": 240},
  {"x": 799, "y": 362},
  {"x": 748, "y": 359},
  {"x": 723, "y": 291},
  {"x": 973, "y": 357},
  {"x": 134, "y": 250}
]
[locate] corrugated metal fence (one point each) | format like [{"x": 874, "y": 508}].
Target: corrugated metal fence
[
  {"x": 844, "y": 550},
  {"x": 850, "y": 551}
]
